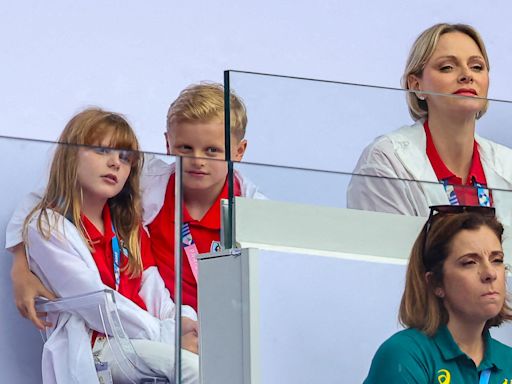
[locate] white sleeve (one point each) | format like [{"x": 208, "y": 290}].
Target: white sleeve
[
  {"x": 157, "y": 297},
  {"x": 14, "y": 231},
  {"x": 378, "y": 185},
  {"x": 67, "y": 272}
]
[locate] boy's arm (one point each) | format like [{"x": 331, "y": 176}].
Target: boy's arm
[{"x": 26, "y": 287}]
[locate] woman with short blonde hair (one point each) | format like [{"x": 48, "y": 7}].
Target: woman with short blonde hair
[{"x": 439, "y": 159}]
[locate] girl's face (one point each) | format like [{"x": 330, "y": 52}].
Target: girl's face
[
  {"x": 457, "y": 67},
  {"x": 474, "y": 277},
  {"x": 102, "y": 172}
]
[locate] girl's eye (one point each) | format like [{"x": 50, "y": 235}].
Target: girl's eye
[
  {"x": 102, "y": 150},
  {"x": 212, "y": 150},
  {"x": 125, "y": 157},
  {"x": 477, "y": 67}
]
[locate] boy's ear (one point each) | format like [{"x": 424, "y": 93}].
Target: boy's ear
[{"x": 240, "y": 150}]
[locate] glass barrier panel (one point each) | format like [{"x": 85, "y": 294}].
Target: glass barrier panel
[{"x": 327, "y": 125}]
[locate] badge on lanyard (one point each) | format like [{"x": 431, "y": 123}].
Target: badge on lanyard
[
  {"x": 190, "y": 248},
  {"x": 116, "y": 257}
]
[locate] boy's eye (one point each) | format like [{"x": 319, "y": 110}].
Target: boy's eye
[
  {"x": 498, "y": 260},
  {"x": 212, "y": 150}
]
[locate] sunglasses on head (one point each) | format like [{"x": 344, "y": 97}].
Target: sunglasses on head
[{"x": 443, "y": 210}]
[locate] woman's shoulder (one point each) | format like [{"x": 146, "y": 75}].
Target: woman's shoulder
[{"x": 406, "y": 341}]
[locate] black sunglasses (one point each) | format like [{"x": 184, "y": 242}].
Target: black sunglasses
[{"x": 441, "y": 210}]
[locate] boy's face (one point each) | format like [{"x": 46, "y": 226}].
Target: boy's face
[{"x": 202, "y": 145}]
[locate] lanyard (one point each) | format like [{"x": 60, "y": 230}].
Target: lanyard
[
  {"x": 484, "y": 199},
  {"x": 190, "y": 248},
  {"x": 116, "y": 256},
  {"x": 485, "y": 376}
]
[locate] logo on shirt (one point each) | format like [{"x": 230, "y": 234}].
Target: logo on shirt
[
  {"x": 215, "y": 247},
  {"x": 444, "y": 376}
]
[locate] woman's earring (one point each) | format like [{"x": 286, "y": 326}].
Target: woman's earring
[
  {"x": 421, "y": 97},
  {"x": 439, "y": 293}
]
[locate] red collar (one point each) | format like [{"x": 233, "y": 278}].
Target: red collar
[
  {"x": 476, "y": 171},
  {"x": 93, "y": 233},
  {"x": 212, "y": 218}
]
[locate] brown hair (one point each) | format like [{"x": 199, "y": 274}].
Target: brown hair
[
  {"x": 204, "y": 102},
  {"x": 63, "y": 192},
  {"x": 420, "y": 308},
  {"x": 420, "y": 54}
]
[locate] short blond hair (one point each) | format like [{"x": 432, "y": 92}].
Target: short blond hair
[
  {"x": 204, "y": 102},
  {"x": 420, "y": 54}
]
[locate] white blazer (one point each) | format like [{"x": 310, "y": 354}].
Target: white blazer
[
  {"x": 65, "y": 265},
  {"x": 392, "y": 165}
]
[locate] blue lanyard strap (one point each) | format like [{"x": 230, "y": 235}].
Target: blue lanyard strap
[
  {"x": 485, "y": 376},
  {"x": 116, "y": 256}
]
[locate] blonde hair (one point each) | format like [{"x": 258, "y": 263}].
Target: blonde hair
[
  {"x": 204, "y": 102},
  {"x": 421, "y": 52},
  {"x": 63, "y": 192},
  {"x": 420, "y": 308}
]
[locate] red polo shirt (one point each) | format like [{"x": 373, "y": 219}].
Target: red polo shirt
[
  {"x": 102, "y": 255},
  {"x": 205, "y": 232},
  {"x": 465, "y": 191}
]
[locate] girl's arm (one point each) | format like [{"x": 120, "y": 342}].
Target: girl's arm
[{"x": 66, "y": 266}]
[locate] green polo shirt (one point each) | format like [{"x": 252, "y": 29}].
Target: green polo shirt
[{"x": 410, "y": 356}]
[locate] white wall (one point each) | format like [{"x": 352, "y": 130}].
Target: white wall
[{"x": 134, "y": 56}]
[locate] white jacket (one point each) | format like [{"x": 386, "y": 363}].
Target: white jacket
[
  {"x": 65, "y": 265},
  {"x": 398, "y": 176}
]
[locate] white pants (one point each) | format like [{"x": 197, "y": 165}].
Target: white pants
[{"x": 158, "y": 356}]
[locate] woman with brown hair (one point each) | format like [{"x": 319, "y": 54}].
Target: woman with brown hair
[{"x": 455, "y": 291}]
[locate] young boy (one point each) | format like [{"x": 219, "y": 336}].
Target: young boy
[{"x": 195, "y": 130}]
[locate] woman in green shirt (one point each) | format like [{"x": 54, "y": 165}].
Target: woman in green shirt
[{"x": 455, "y": 291}]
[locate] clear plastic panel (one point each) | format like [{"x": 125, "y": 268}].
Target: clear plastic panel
[{"x": 326, "y": 125}]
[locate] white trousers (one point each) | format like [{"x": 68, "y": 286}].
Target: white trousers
[{"x": 158, "y": 356}]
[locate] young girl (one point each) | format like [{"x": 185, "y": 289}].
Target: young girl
[{"x": 85, "y": 235}]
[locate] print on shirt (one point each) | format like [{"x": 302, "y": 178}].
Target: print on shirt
[{"x": 444, "y": 376}]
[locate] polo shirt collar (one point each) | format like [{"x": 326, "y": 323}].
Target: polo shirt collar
[
  {"x": 476, "y": 171},
  {"x": 211, "y": 219},
  {"x": 95, "y": 236},
  {"x": 450, "y": 350}
]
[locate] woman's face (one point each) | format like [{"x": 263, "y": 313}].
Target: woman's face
[
  {"x": 102, "y": 172},
  {"x": 457, "y": 67},
  {"x": 473, "y": 289}
]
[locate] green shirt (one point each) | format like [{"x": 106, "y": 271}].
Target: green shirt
[{"x": 410, "y": 356}]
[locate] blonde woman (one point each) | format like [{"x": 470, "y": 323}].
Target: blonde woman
[
  {"x": 455, "y": 290},
  {"x": 447, "y": 75},
  {"x": 85, "y": 235}
]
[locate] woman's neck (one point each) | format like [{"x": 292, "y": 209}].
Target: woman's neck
[
  {"x": 93, "y": 209},
  {"x": 469, "y": 339},
  {"x": 454, "y": 139}
]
